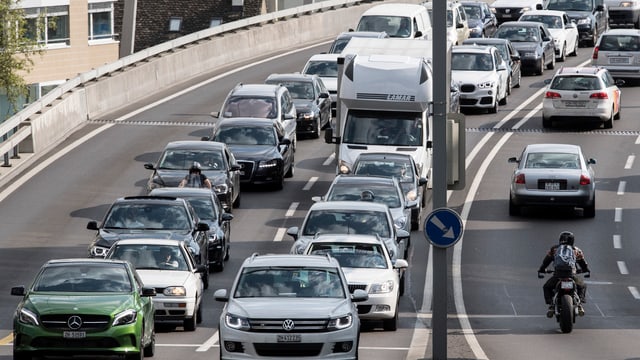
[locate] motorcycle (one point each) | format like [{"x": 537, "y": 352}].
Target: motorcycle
[{"x": 566, "y": 302}]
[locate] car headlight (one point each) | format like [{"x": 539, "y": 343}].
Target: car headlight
[
  {"x": 341, "y": 322},
  {"x": 125, "y": 317},
  {"x": 584, "y": 21},
  {"x": 476, "y": 30},
  {"x": 307, "y": 115},
  {"x": 525, "y": 9},
  {"x": 236, "y": 322},
  {"x": 98, "y": 251},
  {"x": 214, "y": 239},
  {"x": 486, "y": 85},
  {"x": 28, "y": 317},
  {"x": 268, "y": 164},
  {"x": 626, "y": 4},
  {"x": 400, "y": 222},
  {"x": 344, "y": 167},
  {"x": 221, "y": 188},
  {"x": 412, "y": 195},
  {"x": 174, "y": 291},
  {"x": 382, "y": 288}
]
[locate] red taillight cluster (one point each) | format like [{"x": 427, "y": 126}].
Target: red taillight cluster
[
  {"x": 584, "y": 180},
  {"x": 519, "y": 179},
  {"x": 552, "y": 95},
  {"x": 599, "y": 96},
  {"x": 595, "y": 53}
]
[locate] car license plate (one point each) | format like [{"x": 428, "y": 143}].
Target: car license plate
[
  {"x": 552, "y": 186},
  {"x": 74, "y": 334},
  {"x": 566, "y": 285},
  {"x": 290, "y": 338},
  {"x": 575, "y": 103},
  {"x": 618, "y": 60},
  {"x": 506, "y": 15}
]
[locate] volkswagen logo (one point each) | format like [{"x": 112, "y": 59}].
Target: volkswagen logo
[
  {"x": 288, "y": 325},
  {"x": 74, "y": 322}
]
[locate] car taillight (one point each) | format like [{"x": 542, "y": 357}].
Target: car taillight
[
  {"x": 552, "y": 95},
  {"x": 599, "y": 96},
  {"x": 584, "y": 180},
  {"x": 595, "y": 53},
  {"x": 519, "y": 179}
]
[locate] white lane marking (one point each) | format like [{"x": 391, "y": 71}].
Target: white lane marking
[
  {"x": 422, "y": 332},
  {"x": 617, "y": 242},
  {"x": 209, "y": 343},
  {"x": 292, "y": 209},
  {"x": 621, "y": 187},
  {"x": 634, "y": 291},
  {"x": 329, "y": 160},
  {"x": 629, "y": 163},
  {"x": 617, "y": 217},
  {"x": 623, "y": 268},
  {"x": 280, "y": 234},
  {"x": 638, "y": 140},
  {"x": 310, "y": 183}
]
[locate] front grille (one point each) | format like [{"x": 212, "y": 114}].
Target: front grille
[
  {"x": 55, "y": 342},
  {"x": 247, "y": 169},
  {"x": 467, "y": 88},
  {"x": 89, "y": 322},
  {"x": 542, "y": 182},
  {"x": 468, "y": 102},
  {"x": 364, "y": 309},
  {"x": 354, "y": 287},
  {"x": 288, "y": 350},
  {"x": 301, "y": 325}
]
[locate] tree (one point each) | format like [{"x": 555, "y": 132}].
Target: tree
[{"x": 17, "y": 47}]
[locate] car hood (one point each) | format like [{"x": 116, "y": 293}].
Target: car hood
[
  {"x": 289, "y": 307},
  {"x": 163, "y": 278},
  {"x": 460, "y": 77},
  {"x": 511, "y": 3},
  {"x": 557, "y": 33},
  {"x": 107, "y": 237},
  {"x": 367, "y": 276},
  {"x": 78, "y": 303},
  {"x": 575, "y": 14},
  {"x": 254, "y": 152},
  {"x": 475, "y": 23},
  {"x": 303, "y": 105},
  {"x": 525, "y": 46},
  {"x": 172, "y": 178},
  {"x": 331, "y": 83}
]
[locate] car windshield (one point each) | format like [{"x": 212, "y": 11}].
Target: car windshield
[
  {"x": 575, "y": 83},
  {"x": 299, "y": 89},
  {"x": 204, "y": 207},
  {"x": 395, "y": 26},
  {"x": 339, "y": 45},
  {"x": 147, "y": 216},
  {"x": 518, "y": 34},
  {"x": 552, "y": 21},
  {"x": 471, "y": 62},
  {"x": 399, "y": 169},
  {"x": 379, "y": 193},
  {"x": 352, "y": 255},
  {"x": 619, "y": 43},
  {"x": 289, "y": 282},
  {"x": 570, "y": 5},
  {"x": 250, "y": 106},
  {"x": 552, "y": 160},
  {"x": 82, "y": 277},
  {"x": 179, "y": 159},
  {"x": 347, "y": 222},
  {"x": 322, "y": 68},
  {"x": 151, "y": 257},
  {"x": 401, "y": 128},
  {"x": 473, "y": 12},
  {"x": 246, "y": 135}
]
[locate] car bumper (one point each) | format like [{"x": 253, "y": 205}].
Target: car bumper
[
  {"x": 379, "y": 306},
  {"x": 624, "y": 72},
  {"x": 169, "y": 310},
  {"x": 478, "y": 99},
  {"x": 305, "y": 127},
  {"x": 225, "y": 199},
  {"x": 257, "y": 345},
  {"x": 587, "y": 114},
  {"x": 585, "y": 32},
  {"x": 530, "y": 63},
  {"x": 626, "y": 18},
  {"x": 253, "y": 174},
  {"x": 216, "y": 253},
  {"x": 551, "y": 198}
]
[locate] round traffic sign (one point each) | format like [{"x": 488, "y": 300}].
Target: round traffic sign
[{"x": 443, "y": 227}]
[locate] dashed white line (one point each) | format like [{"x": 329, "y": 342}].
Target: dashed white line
[
  {"x": 623, "y": 268},
  {"x": 292, "y": 209},
  {"x": 634, "y": 291},
  {"x": 209, "y": 343},
  {"x": 621, "y": 187},
  {"x": 638, "y": 140},
  {"x": 329, "y": 160},
  {"x": 280, "y": 234},
  {"x": 617, "y": 242},
  {"x": 629, "y": 164},
  {"x": 617, "y": 217},
  {"x": 310, "y": 183}
]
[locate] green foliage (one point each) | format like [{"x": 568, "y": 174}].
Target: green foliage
[{"x": 16, "y": 51}]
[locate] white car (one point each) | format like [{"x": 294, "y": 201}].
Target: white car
[
  {"x": 482, "y": 76},
  {"x": 366, "y": 265},
  {"x": 169, "y": 267},
  {"x": 457, "y": 24},
  {"x": 326, "y": 67},
  {"x": 563, "y": 30}
]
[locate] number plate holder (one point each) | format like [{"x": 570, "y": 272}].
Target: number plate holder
[
  {"x": 552, "y": 186},
  {"x": 288, "y": 338},
  {"x": 566, "y": 285},
  {"x": 74, "y": 334}
]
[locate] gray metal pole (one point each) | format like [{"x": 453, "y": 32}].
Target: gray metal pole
[
  {"x": 128, "y": 35},
  {"x": 439, "y": 174}
]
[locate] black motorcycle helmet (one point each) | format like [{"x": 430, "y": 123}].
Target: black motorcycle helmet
[
  {"x": 566, "y": 238},
  {"x": 195, "y": 168}
]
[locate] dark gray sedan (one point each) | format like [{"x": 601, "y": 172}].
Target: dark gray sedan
[{"x": 534, "y": 43}]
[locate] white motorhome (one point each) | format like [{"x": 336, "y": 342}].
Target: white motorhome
[{"x": 384, "y": 101}]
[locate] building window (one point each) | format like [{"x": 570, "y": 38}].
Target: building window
[
  {"x": 175, "y": 24},
  {"x": 54, "y": 29},
  {"x": 101, "y": 20}
]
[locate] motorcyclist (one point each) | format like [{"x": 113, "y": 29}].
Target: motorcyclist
[
  {"x": 566, "y": 237},
  {"x": 195, "y": 178}
]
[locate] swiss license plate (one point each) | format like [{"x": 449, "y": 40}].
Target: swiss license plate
[
  {"x": 506, "y": 15},
  {"x": 552, "y": 186},
  {"x": 566, "y": 285},
  {"x": 74, "y": 334},
  {"x": 575, "y": 103},
  {"x": 618, "y": 60},
  {"x": 290, "y": 338}
]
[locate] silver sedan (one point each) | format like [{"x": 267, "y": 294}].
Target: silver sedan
[{"x": 553, "y": 175}]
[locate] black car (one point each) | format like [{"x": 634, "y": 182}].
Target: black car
[
  {"x": 482, "y": 22},
  {"x": 311, "y": 98},
  {"x": 151, "y": 217},
  {"x": 209, "y": 210},
  {"x": 508, "y": 53},
  {"x": 591, "y": 16},
  {"x": 260, "y": 146},
  {"x": 215, "y": 160},
  {"x": 533, "y": 42}
]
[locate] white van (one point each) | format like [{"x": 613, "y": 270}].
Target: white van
[{"x": 399, "y": 20}]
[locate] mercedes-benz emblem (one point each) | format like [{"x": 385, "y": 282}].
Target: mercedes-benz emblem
[
  {"x": 74, "y": 322},
  {"x": 575, "y": 96},
  {"x": 288, "y": 325}
]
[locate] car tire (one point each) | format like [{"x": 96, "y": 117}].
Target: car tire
[
  {"x": 547, "y": 123},
  {"x": 205, "y": 279},
  {"x": 509, "y": 85},
  {"x": 540, "y": 67},
  {"x": 316, "y": 133},
  {"x": 199, "y": 321},
  {"x": 514, "y": 210},
  {"x": 226, "y": 252},
  {"x": 150, "y": 349},
  {"x": 190, "y": 324},
  {"x": 219, "y": 266},
  {"x": 391, "y": 324},
  {"x": 575, "y": 48},
  {"x": 618, "y": 116},
  {"x": 279, "y": 184},
  {"x": 552, "y": 64},
  {"x": 503, "y": 101},
  {"x": 291, "y": 171},
  {"x": 137, "y": 356},
  {"x": 589, "y": 211},
  {"x": 494, "y": 108},
  {"x": 594, "y": 38},
  {"x": 401, "y": 287},
  {"x": 236, "y": 202},
  {"x": 608, "y": 124},
  {"x": 517, "y": 85}
]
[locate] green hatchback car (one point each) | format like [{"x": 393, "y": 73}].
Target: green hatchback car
[{"x": 84, "y": 307}]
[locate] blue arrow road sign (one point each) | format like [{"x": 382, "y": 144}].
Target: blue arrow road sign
[{"x": 443, "y": 227}]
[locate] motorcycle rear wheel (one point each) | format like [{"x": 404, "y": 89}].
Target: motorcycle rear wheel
[{"x": 566, "y": 314}]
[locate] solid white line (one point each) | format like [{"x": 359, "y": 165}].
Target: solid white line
[
  {"x": 617, "y": 242},
  {"x": 292, "y": 209},
  {"x": 329, "y": 160},
  {"x": 280, "y": 234},
  {"x": 617, "y": 217},
  {"x": 629, "y": 163},
  {"x": 623, "y": 268},
  {"x": 209, "y": 343},
  {"x": 621, "y": 187},
  {"x": 310, "y": 183},
  {"x": 634, "y": 292}
]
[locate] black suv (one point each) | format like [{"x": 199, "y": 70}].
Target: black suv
[
  {"x": 151, "y": 217},
  {"x": 591, "y": 16}
]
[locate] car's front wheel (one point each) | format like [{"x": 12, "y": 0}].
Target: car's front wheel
[
  {"x": 150, "y": 349},
  {"x": 190, "y": 324},
  {"x": 563, "y": 54}
]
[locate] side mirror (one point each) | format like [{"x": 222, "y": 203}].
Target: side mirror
[
  {"x": 293, "y": 232},
  {"x": 235, "y": 167},
  {"x": 538, "y": 6},
  {"x": 591, "y": 161},
  {"x": 202, "y": 226},
  {"x": 92, "y": 225},
  {"x": 215, "y": 114},
  {"x": 148, "y": 291},
  {"x": 201, "y": 269},
  {"x": 18, "y": 290},
  {"x": 285, "y": 141},
  {"x": 418, "y": 34},
  {"x": 323, "y": 95},
  {"x": 225, "y": 216},
  {"x": 149, "y": 166},
  {"x": 513, "y": 160},
  {"x": 221, "y": 295},
  {"x": 288, "y": 117}
]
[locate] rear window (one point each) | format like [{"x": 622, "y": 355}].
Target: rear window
[
  {"x": 619, "y": 43},
  {"x": 575, "y": 83}
]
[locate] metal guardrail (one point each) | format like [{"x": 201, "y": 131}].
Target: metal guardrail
[{"x": 17, "y": 129}]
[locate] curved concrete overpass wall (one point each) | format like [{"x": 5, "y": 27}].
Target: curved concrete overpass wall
[{"x": 48, "y": 121}]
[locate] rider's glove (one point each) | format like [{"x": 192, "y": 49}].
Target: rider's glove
[
  {"x": 587, "y": 274},
  {"x": 540, "y": 275}
]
